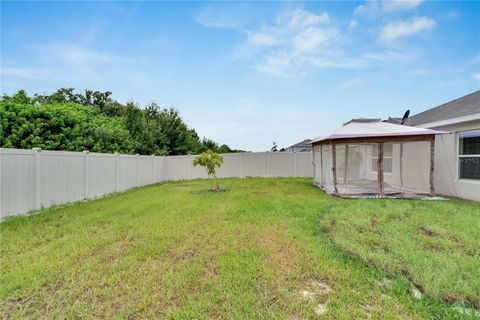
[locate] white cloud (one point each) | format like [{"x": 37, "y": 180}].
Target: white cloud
[
  {"x": 418, "y": 72},
  {"x": 408, "y": 55},
  {"x": 277, "y": 64},
  {"x": 25, "y": 73},
  {"x": 397, "y": 5},
  {"x": 476, "y": 76},
  {"x": 371, "y": 7},
  {"x": 299, "y": 42},
  {"x": 290, "y": 44},
  {"x": 375, "y": 7},
  {"x": 212, "y": 18},
  {"x": 262, "y": 39},
  {"x": 301, "y": 18},
  {"x": 394, "y": 30},
  {"x": 311, "y": 38},
  {"x": 77, "y": 54},
  {"x": 354, "y": 82}
]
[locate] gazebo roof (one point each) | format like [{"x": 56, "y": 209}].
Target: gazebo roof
[{"x": 377, "y": 129}]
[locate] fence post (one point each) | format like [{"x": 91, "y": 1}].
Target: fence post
[
  {"x": 268, "y": 164},
  {"x": 138, "y": 170},
  {"x": 152, "y": 181},
  {"x": 294, "y": 164},
  {"x": 117, "y": 170},
  {"x": 86, "y": 180},
  {"x": 38, "y": 177},
  {"x": 241, "y": 166},
  {"x": 189, "y": 167}
]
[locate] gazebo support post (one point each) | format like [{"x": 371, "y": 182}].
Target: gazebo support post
[
  {"x": 334, "y": 168},
  {"x": 432, "y": 165},
  {"x": 313, "y": 163},
  {"x": 381, "y": 186},
  {"x": 321, "y": 165},
  {"x": 401, "y": 165},
  {"x": 346, "y": 165}
]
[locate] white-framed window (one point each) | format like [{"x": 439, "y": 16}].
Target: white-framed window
[
  {"x": 387, "y": 157},
  {"x": 469, "y": 155}
]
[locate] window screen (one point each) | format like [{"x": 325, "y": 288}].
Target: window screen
[{"x": 469, "y": 155}]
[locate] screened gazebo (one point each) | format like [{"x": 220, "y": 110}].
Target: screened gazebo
[{"x": 365, "y": 159}]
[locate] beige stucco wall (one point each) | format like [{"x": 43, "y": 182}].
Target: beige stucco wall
[{"x": 446, "y": 169}]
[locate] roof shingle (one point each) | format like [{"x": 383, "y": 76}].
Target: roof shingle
[{"x": 464, "y": 106}]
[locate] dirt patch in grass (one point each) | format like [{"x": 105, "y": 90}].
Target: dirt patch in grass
[{"x": 427, "y": 232}]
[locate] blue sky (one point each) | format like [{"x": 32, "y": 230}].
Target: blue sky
[{"x": 245, "y": 73}]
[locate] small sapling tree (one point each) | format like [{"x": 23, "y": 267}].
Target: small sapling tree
[{"x": 210, "y": 160}]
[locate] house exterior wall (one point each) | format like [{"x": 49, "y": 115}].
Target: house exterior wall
[{"x": 446, "y": 164}]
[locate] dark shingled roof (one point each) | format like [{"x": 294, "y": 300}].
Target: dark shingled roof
[
  {"x": 461, "y": 107},
  {"x": 304, "y": 143}
]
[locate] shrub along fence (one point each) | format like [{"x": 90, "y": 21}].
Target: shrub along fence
[{"x": 35, "y": 179}]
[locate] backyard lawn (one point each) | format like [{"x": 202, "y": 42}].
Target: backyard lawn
[{"x": 264, "y": 248}]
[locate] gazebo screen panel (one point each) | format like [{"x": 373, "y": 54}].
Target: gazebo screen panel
[
  {"x": 356, "y": 167},
  {"x": 406, "y": 167},
  {"x": 326, "y": 180}
]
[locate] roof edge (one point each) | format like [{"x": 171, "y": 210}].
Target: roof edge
[{"x": 447, "y": 122}]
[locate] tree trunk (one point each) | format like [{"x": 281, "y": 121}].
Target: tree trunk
[
  {"x": 216, "y": 183},
  {"x": 209, "y": 179}
]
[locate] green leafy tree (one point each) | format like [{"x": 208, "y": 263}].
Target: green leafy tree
[
  {"x": 102, "y": 101},
  {"x": 210, "y": 160},
  {"x": 61, "y": 126},
  {"x": 93, "y": 120},
  {"x": 19, "y": 97}
]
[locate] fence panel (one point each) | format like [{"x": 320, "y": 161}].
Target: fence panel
[
  {"x": 127, "y": 173},
  {"x": 145, "y": 167},
  {"x": 304, "y": 164},
  {"x": 281, "y": 164},
  {"x": 255, "y": 164},
  {"x": 158, "y": 169},
  {"x": 17, "y": 185},
  {"x": 101, "y": 174},
  {"x": 62, "y": 177},
  {"x": 32, "y": 179},
  {"x": 232, "y": 166},
  {"x": 177, "y": 168}
]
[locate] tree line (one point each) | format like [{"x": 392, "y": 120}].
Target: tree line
[{"x": 94, "y": 121}]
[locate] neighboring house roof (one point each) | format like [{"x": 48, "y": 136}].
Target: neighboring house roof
[
  {"x": 304, "y": 143},
  {"x": 363, "y": 120},
  {"x": 374, "y": 129},
  {"x": 393, "y": 120},
  {"x": 464, "y": 108}
]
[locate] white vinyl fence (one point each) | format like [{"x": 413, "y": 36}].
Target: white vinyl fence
[{"x": 35, "y": 179}]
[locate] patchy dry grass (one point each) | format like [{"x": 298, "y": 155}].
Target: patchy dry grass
[
  {"x": 434, "y": 244},
  {"x": 176, "y": 251}
]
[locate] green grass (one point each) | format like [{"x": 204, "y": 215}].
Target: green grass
[
  {"x": 434, "y": 244},
  {"x": 176, "y": 251}
]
